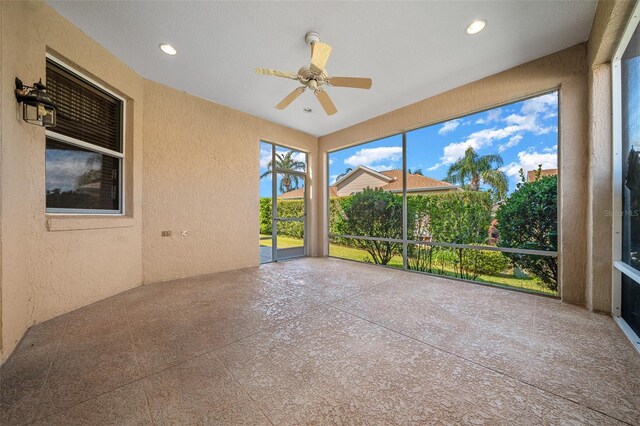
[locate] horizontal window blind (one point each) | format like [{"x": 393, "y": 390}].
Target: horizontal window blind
[{"x": 84, "y": 111}]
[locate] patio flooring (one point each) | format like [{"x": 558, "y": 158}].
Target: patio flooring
[{"x": 323, "y": 341}]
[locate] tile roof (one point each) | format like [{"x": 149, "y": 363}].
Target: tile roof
[{"x": 413, "y": 181}]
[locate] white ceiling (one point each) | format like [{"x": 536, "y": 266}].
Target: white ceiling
[{"x": 411, "y": 50}]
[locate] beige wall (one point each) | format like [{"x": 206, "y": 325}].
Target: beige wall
[
  {"x": 201, "y": 164},
  {"x": 200, "y": 175},
  {"x": 565, "y": 70},
  {"x": 46, "y": 273}
]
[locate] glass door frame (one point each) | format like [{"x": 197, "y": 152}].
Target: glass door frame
[
  {"x": 619, "y": 267},
  {"x": 275, "y": 219}
]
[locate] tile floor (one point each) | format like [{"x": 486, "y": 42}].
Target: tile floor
[{"x": 323, "y": 341}]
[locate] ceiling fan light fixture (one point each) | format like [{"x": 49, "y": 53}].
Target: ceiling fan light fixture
[
  {"x": 168, "y": 49},
  {"x": 476, "y": 26}
]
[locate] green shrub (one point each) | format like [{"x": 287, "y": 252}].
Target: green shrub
[
  {"x": 452, "y": 217},
  {"x": 529, "y": 220},
  {"x": 491, "y": 262},
  {"x": 265, "y": 215},
  {"x": 372, "y": 213}
]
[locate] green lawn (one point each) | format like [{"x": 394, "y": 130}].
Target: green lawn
[
  {"x": 531, "y": 284},
  {"x": 283, "y": 242}
]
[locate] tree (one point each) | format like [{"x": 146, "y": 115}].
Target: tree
[
  {"x": 415, "y": 172},
  {"x": 529, "y": 220},
  {"x": 473, "y": 170},
  {"x": 346, "y": 172},
  {"x": 286, "y": 161},
  {"x": 373, "y": 213}
]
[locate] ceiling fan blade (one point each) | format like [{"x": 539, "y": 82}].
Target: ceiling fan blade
[
  {"x": 326, "y": 102},
  {"x": 267, "y": 71},
  {"x": 320, "y": 53},
  {"x": 290, "y": 98},
  {"x": 354, "y": 82}
]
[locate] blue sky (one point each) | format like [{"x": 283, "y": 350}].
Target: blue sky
[{"x": 524, "y": 133}]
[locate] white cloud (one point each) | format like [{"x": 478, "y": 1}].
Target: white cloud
[
  {"x": 265, "y": 157},
  {"x": 513, "y": 141},
  {"x": 448, "y": 127},
  {"x": 540, "y": 104},
  {"x": 374, "y": 157},
  {"x": 475, "y": 140},
  {"x": 516, "y": 125},
  {"x": 531, "y": 160},
  {"x": 330, "y": 161},
  {"x": 492, "y": 115}
]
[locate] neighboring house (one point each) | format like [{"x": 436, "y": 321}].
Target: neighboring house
[
  {"x": 531, "y": 174},
  {"x": 391, "y": 180}
]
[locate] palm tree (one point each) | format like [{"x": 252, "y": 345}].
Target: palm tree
[
  {"x": 288, "y": 181},
  {"x": 346, "y": 172},
  {"x": 472, "y": 170}
]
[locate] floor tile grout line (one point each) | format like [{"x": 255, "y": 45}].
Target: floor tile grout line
[
  {"x": 480, "y": 365},
  {"x": 145, "y": 376},
  {"x": 137, "y": 359},
  {"x": 224, "y": 364},
  {"x": 172, "y": 365},
  {"x": 50, "y": 368}
]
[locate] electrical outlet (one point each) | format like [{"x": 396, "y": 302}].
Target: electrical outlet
[{"x": 166, "y": 233}]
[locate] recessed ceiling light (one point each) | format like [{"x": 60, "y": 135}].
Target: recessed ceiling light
[
  {"x": 476, "y": 26},
  {"x": 307, "y": 109},
  {"x": 168, "y": 49}
]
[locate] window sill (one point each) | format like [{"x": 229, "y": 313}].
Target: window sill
[{"x": 75, "y": 223}]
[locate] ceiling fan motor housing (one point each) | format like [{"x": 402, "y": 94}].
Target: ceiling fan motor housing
[{"x": 311, "y": 37}]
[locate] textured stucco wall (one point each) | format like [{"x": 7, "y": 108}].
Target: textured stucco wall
[
  {"x": 608, "y": 26},
  {"x": 47, "y": 273},
  {"x": 565, "y": 70},
  {"x": 201, "y": 168}
]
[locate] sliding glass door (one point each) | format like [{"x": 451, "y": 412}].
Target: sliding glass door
[
  {"x": 626, "y": 86},
  {"x": 282, "y": 203}
]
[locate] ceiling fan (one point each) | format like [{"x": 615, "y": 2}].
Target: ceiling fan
[{"x": 315, "y": 76}]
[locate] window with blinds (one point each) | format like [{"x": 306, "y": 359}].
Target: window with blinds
[{"x": 84, "y": 151}]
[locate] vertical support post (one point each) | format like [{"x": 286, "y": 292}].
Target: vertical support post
[
  {"x": 404, "y": 201},
  {"x": 274, "y": 206}
]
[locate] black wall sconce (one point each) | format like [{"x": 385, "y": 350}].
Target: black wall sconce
[{"x": 37, "y": 106}]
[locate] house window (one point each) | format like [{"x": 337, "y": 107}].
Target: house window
[{"x": 84, "y": 152}]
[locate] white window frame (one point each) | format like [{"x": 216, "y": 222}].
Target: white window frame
[
  {"x": 619, "y": 267},
  {"x": 51, "y": 134}
]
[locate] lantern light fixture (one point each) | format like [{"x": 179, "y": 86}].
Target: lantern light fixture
[{"x": 37, "y": 106}]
